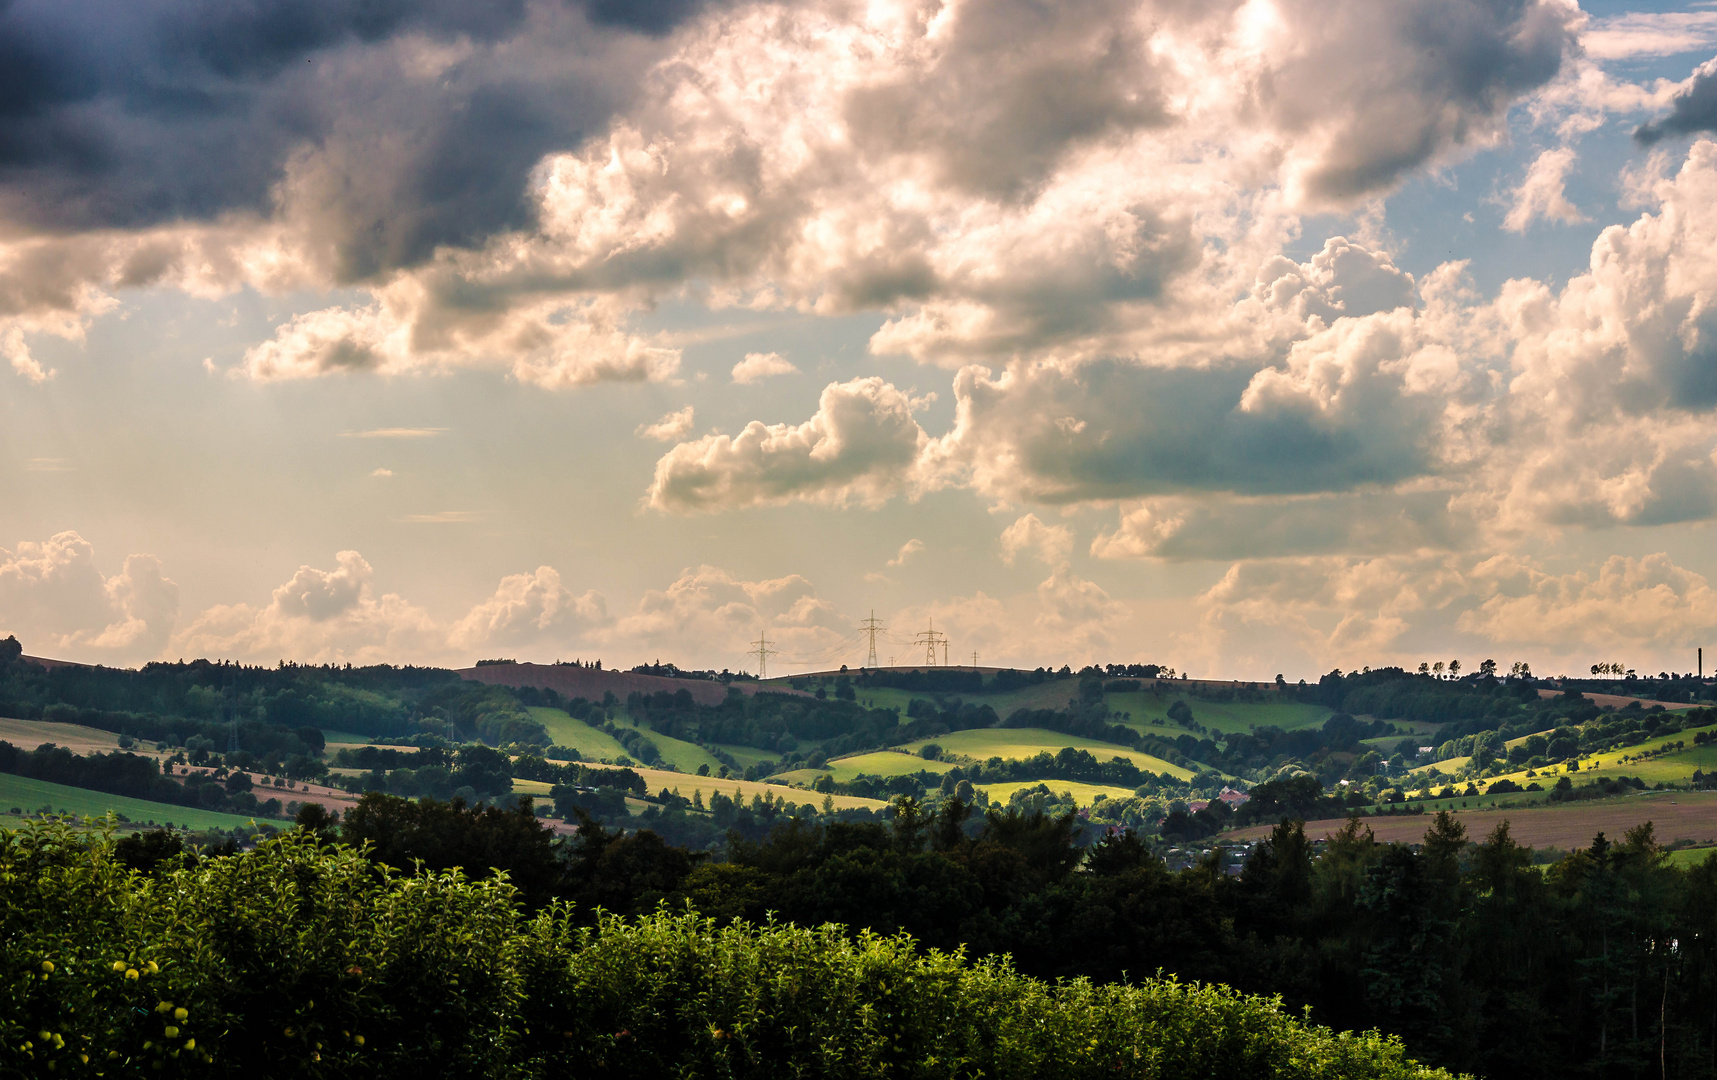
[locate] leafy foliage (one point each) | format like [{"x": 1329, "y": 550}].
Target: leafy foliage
[{"x": 299, "y": 959}]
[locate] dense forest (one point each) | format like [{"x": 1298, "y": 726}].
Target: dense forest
[{"x": 175, "y": 702}]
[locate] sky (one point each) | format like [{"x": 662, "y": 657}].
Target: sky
[{"x": 1250, "y": 338}]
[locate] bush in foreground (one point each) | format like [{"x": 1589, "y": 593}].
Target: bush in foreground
[{"x": 301, "y": 959}]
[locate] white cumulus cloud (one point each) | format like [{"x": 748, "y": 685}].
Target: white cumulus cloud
[
  {"x": 1541, "y": 195},
  {"x": 758, "y": 366},
  {"x": 861, "y": 446},
  {"x": 54, "y": 597},
  {"x": 671, "y": 426}
]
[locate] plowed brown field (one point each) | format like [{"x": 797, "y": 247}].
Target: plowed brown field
[{"x": 1675, "y": 815}]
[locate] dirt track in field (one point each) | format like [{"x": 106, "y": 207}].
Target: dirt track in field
[{"x": 1678, "y": 815}]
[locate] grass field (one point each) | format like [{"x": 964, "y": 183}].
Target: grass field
[
  {"x": 563, "y": 730},
  {"x": 29, "y": 734},
  {"x": 346, "y": 738},
  {"x": 1146, "y": 711},
  {"x": 685, "y": 784},
  {"x": 31, "y": 795},
  {"x": 1150, "y": 712},
  {"x": 883, "y": 763},
  {"x": 682, "y": 755},
  {"x": 1047, "y": 695},
  {"x": 1675, "y": 767},
  {"x": 1687, "y": 858},
  {"x": 1084, "y": 794},
  {"x": 595, "y": 745},
  {"x": 985, "y": 743},
  {"x": 1020, "y": 743},
  {"x": 746, "y": 755},
  {"x": 658, "y": 779}
]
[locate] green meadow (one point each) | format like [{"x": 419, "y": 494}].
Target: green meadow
[
  {"x": 882, "y": 763},
  {"x": 596, "y": 745},
  {"x": 1687, "y": 858},
  {"x": 563, "y": 730},
  {"x": 1047, "y": 695},
  {"x": 344, "y": 738},
  {"x": 1149, "y": 712},
  {"x": 1673, "y": 767},
  {"x": 29, "y": 795},
  {"x": 682, "y": 755}
]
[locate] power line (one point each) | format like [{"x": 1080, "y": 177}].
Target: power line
[
  {"x": 872, "y": 627},
  {"x": 761, "y": 649},
  {"x": 930, "y": 639}
]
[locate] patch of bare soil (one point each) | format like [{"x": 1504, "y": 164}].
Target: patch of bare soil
[
  {"x": 1675, "y": 815},
  {"x": 1620, "y": 701}
]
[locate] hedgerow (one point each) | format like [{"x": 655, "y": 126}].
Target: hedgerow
[{"x": 305, "y": 959}]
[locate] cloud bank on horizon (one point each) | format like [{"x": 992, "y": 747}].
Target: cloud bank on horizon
[{"x": 1154, "y": 259}]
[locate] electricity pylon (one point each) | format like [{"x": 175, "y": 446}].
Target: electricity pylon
[
  {"x": 872, "y": 627},
  {"x": 760, "y": 648},
  {"x": 930, "y": 639}
]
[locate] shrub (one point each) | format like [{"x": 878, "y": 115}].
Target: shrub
[{"x": 302, "y": 958}]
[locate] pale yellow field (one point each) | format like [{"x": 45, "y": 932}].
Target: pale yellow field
[
  {"x": 686, "y": 783},
  {"x": 985, "y": 743},
  {"x": 883, "y": 763},
  {"x": 1082, "y": 793},
  {"x": 29, "y": 734}
]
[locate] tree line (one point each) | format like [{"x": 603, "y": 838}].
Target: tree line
[
  {"x": 1479, "y": 960},
  {"x": 304, "y": 958},
  {"x": 137, "y": 777}
]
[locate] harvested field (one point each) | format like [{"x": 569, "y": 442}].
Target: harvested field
[
  {"x": 44, "y": 662},
  {"x": 1083, "y": 794},
  {"x": 29, "y": 734},
  {"x": 1620, "y": 701},
  {"x": 686, "y": 783},
  {"x": 1675, "y": 815},
  {"x": 1020, "y": 743}
]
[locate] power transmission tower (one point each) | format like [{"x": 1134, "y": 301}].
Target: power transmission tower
[
  {"x": 760, "y": 648},
  {"x": 974, "y": 660},
  {"x": 872, "y": 627},
  {"x": 930, "y": 639}
]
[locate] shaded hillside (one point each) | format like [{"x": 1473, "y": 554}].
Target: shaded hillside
[{"x": 571, "y": 681}]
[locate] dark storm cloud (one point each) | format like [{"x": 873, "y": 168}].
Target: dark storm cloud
[
  {"x": 125, "y": 114},
  {"x": 1113, "y": 429},
  {"x": 1693, "y": 110},
  {"x": 1398, "y": 83}
]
